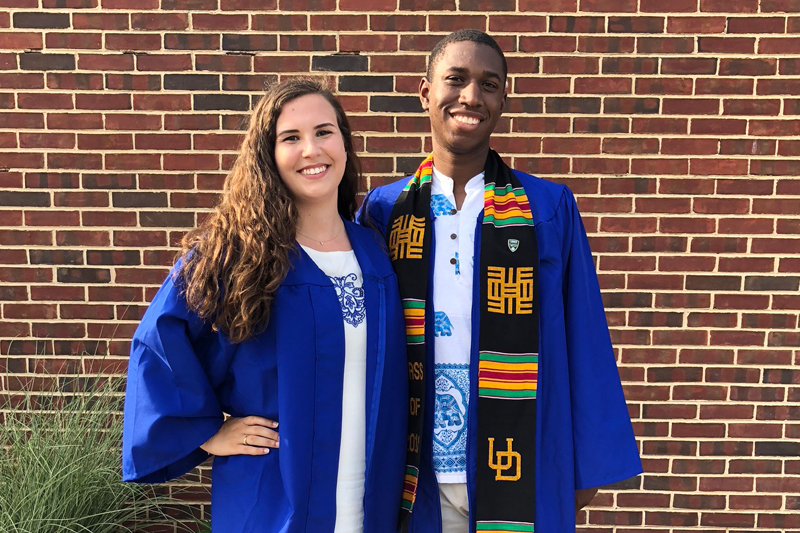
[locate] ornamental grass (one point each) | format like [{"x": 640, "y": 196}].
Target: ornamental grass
[{"x": 60, "y": 458}]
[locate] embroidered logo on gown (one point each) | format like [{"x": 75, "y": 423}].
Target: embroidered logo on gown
[{"x": 351, "y": 299}]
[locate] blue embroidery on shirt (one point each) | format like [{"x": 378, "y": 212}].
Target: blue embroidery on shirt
[
  {"x": 450, "y": 418},
  {"x": 351, "y": 298},
  {"x": 458, "y": 265},
  {"x": 442, "y": 326},
  {"x": 441, "y": 205}
]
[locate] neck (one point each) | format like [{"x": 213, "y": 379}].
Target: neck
[
  {"x": 460, "y": 167},
  {"x": 318, "y": 221}
]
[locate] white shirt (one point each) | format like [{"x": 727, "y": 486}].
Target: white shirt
[
  {"x": 343, "y": 270},
  {"x": 454, "y": 232}
]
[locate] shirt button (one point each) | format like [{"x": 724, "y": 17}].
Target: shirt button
[
  {"x": 453, "y": 236},
  {"x": 453, "y": 212},
  {"x": 453, "y": 261}
]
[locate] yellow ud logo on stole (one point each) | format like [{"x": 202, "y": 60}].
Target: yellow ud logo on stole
[
  {"x": 405, "y": 239},
  {"x": 510, "y": 290},
  {"x": 505, "y": 461}
]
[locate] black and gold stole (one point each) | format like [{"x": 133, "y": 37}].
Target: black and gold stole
[{"x": 508, "y": 341}]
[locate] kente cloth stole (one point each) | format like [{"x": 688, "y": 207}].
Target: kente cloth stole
[{"x": 508, "y": 341}]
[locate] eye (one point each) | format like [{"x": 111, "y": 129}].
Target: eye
[
  {"x": 324, "y": 133},
  {"x": 290, "y": 138},
  {"x": 454, "y": 79},
  {"x": 491, "y": 86}
]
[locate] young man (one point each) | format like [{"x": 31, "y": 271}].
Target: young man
[{"x": 517, "y": 413}]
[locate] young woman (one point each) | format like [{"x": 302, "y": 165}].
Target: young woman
[{"x": 279, "y": 311}]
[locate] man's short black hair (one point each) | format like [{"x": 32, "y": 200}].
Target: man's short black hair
[{"x": 473, "y": 36}]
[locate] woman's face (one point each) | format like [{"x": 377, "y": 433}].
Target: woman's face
[{"x": 309, "y": 150}]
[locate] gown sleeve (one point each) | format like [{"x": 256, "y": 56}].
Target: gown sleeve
[
  {"x": 171, "y": 408},
  {"x": 604, "y": 445}
]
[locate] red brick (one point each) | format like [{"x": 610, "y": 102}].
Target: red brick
[
  {"x": 779, "y": 45},
  {"x": 159, "y": 21},
  {"x": 728, "y": 520},
  {"x": 162, "y": 102},
  {"x": 206, "y": 21},
  {"x": 757, "y": 24},
  {"x": 132, "y": 41},
  {"x": 663, "y": 85},
  {"x": 773, "y": 86},
  {"x": 718, "y": 126},
  {"x": 747, "y": 67},
  {"x": 548, "y": 6},
  {"x": 721, "y": 6},
  {"x": 21, "y": 41},
  {"x": 790, "y": 6},
  {"x": 520, "y": 23},
  {"x": 450, "y": 23},
  {"x": 724, "y": 86},
  {"x": 614, "y": 6},
  {"x": 398, "y": 22},
  {"x": 369, "y": 43},
  {"x": 102, "y": 62},
  {"x": 611, "y": 45},
  {"x": 374, "y": 5},
  {"x": 726, "y": 45},
  {"x": 695, "y": 25},
  {"x": 688, "y": 65},
  {"x": 648, "y": 166}
]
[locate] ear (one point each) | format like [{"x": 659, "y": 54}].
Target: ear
[
  {"x": 424, "y": 91},
  {"x": 505, "y": 97}
]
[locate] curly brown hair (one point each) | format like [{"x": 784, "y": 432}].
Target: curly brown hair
[{"x": 234, "y": 262}]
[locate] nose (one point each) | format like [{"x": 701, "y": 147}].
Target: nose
[
  {"x": 470, "y": 95},
  {"x": 310, "y": 148}
]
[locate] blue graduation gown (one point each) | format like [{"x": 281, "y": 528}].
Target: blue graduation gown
[
  {"x": 182, "y": 376},
  {"x": 584, "y": 437}
]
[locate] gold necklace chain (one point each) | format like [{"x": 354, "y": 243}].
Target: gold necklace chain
[{"x": 319, "y": 241}]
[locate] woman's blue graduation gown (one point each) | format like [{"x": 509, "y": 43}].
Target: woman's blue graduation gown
[
  {"x": 584, "y": 437},
  {"x": 182, "y": 377}
]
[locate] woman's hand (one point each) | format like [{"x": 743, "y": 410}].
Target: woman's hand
[{"x": 250, "y": 435}]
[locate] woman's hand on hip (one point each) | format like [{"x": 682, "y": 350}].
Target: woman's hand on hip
[{"x": 249, "y": 435}]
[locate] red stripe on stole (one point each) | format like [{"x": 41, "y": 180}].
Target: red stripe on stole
[
  {"x": 508, "y": 376},
  {"x": 523, "y": 206}
]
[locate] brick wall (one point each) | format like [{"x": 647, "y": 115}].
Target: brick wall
[{"x": 674, "y": 121}]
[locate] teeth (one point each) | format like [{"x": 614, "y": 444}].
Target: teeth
[
  {"x": 466, "y": 120},
  {"x": 313, "y": 171}
]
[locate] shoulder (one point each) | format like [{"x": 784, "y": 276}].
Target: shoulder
[
  {"x": 380, "y": 200},
  {"x": 389, "y": 193},
  {"x": 546, "y": 197}
]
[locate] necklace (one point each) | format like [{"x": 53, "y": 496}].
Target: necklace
[{"x": 317, "y": 240}]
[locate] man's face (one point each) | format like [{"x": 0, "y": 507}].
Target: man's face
[{"x": 464, "y": 97}]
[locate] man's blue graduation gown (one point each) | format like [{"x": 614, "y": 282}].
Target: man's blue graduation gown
[
  {"x": 584, "y": 437},
  {"x": 183, "y": 376}
]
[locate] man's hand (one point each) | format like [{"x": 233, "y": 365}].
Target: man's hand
[
  {"x": 250, "y": 435},
  {"x": 583, "y": 497}
]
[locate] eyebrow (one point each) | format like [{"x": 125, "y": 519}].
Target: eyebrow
[
  {"x": 464, "y": 70},
  {"x": 318, "y": 126}
]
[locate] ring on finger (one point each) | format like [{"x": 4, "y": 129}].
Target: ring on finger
[{"x": 245, "y": 439}]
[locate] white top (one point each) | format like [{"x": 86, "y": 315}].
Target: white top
[
  {"x": 454, "y": 231},
  {"x": 343, "y": 270}
]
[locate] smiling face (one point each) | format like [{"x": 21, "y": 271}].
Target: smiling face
[
  {"x": 309, "y": 150},
  {"x": 464, "y": 97}
]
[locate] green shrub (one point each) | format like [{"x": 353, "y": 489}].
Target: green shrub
[{"x": 60, "y": 460}]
